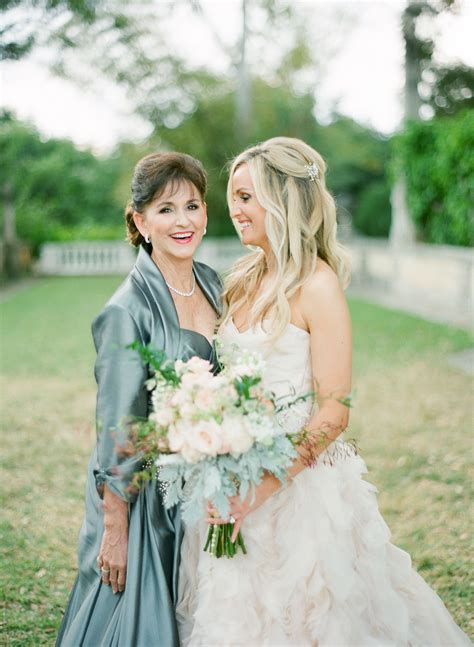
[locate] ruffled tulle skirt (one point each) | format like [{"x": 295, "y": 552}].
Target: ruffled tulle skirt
[{"x": 320, "y": 571}]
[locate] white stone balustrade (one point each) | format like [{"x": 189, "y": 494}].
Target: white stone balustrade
[{"x": 435, "y": 281}]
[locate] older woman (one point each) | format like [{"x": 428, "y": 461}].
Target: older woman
[{"x": 129, "y": 544}]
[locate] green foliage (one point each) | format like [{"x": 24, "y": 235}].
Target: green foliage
[
  {"x": 373, "y": 214},
  {"x": 446, "y": 89},
  {"x": 61, "y": 193},
  {"x": 356, "y": 156},
  {"x": 437, "y": 160},
  {"x": 16, "y": 43},
  {"x": 158, "y": 361},
  {"x": 58, "y": 191},
  {"x": 452, "y": 90}
]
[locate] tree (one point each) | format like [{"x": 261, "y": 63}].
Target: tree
[
  {"x": 56, "y": 190},
  {"x": 36, "y": 17},
  {"x": 445, "y": 89}
]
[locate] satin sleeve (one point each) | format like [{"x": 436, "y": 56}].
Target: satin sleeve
[{"x": 121, "y": 397}]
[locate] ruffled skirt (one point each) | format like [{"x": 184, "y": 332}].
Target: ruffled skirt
[{"x": 320, "y": 571}]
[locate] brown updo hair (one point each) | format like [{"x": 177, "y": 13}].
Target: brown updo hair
[{"x": 152, "y": 175}]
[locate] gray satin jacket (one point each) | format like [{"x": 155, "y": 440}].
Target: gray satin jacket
[{"x": 143, "y": 615}]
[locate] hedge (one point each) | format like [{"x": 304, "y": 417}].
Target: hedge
[{"x": 437, "y": 159}]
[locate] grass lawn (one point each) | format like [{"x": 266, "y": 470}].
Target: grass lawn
[{"x": 412, "y": 419}]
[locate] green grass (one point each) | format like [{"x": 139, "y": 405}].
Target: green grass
[{"x": 412, "y": 419}]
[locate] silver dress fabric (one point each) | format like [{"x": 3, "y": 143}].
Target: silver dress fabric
[{"x": 144, "y": 614}]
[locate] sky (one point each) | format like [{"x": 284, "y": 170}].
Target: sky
[{"x": 363, "y": 76}]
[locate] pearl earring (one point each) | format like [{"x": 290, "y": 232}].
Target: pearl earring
[
  {"x": 205, "y": 231},
  {"x": 147, "y": 238}
]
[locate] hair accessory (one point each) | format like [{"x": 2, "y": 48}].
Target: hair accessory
[{"x": 313, "y": 171}]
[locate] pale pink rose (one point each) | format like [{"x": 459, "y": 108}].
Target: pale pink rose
[
  {"x": 218, "y": 382},
  {"x": 205, "y": 399},
  {"x": 187, "y": 410},
  {"x": 190, "y": 454},
  {"x": 179, "y": 398},
  {"x": 205, "y": 437},
  {"x": 198, "y": 365},
  {"x": 179, "y": 366},
  {"x": 235, "y": 435},
  {"x": 176, "y": 436},
  {"x": 163, "y": 417},
  {"x": 190, "y": 381}
]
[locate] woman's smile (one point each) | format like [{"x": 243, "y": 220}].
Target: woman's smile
[{"x": 182, "y": 237}]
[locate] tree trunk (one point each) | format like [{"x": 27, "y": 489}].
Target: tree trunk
[
  {"x": 243, "y": 90},
  {"x": 402, "y": 230},
  {"x": 10, "y": 249}
]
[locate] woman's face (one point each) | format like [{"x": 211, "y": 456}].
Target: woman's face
[
  {"x": 175, "y": 221},
  {"x": 246, "y": 212}
]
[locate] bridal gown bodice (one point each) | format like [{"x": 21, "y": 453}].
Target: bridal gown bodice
[
  {"x": 287, "y": 362},
  {"x": 288, "y": 372},
  {"x": 320, "y": 570}
]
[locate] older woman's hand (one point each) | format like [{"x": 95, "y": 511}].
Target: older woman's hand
[
  {"x": 112, "y": 559},
  {"x": 240, "y": 509}
]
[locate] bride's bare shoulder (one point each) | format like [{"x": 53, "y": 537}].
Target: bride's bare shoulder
[
  {"x": 322, "y": 283},
  {"x": 322, "y": 297}
]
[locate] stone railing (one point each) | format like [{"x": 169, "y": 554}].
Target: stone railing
[
  {"x": 117, "y": 257},
  {"x": 434, "y": 281},
  {"x": 86, "y": 257}
]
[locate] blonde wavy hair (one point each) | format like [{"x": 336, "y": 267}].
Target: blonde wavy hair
[{"x": 301, "y": 226}]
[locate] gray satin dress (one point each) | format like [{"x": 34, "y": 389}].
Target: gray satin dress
[{"x": 144, "y": 614}]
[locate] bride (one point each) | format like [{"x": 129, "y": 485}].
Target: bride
[{"x": 320, "y": 568}]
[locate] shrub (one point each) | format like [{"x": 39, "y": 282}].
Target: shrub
[
  {"x": 372, "y": 215},
  {"x": 437, "y": 159}
]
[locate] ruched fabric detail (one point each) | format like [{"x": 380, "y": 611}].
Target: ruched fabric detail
[{"x": 320, "y": 569}]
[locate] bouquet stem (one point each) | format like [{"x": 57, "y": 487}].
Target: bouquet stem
[{"x": 218, "y": 541}]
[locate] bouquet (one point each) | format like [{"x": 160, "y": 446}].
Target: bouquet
[{"x": 210, "y": 436}]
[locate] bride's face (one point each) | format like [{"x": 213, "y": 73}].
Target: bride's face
[{"x": 247, "y": 213}]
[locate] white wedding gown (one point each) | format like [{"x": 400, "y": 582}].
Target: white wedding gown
[{"x": 320, "y": 568}]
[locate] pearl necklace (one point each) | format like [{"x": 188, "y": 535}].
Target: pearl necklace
[{"x": 183, "y": 294}]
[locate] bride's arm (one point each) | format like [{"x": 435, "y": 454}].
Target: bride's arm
[{"x": 323, "y": 309}]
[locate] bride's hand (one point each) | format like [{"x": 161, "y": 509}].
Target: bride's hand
[{"x": 240, "y": 509}]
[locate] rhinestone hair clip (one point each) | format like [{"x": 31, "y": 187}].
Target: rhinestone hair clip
[{"x": 313, "y": 171}]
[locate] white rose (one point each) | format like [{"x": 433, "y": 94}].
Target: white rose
[
  {"x": 176, "y": 436},
  {"x": 205, "y": 436},
  {"x": 235, "y": 435}
]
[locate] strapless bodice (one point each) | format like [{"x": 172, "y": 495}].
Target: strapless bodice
[{"x": 287, "y": 361}]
